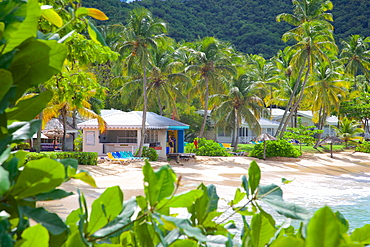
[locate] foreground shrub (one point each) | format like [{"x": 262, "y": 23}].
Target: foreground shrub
[
  {"x": 149, "y": 153},
  {"x": 363, "y": 147},
  {"x": 206, "y": 148},
  {"x": 277, "y": 148},
  {"x": 83, "y": 158}
]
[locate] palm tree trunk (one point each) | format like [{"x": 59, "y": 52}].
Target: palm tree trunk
[
  {"x": 322, "y": 115},
  {"x": 142, "y": 137},
  {"x": 64, "y": 122},
  {"x": 38, "y": 146},
  {"x": 159, "y": 104},
  {"x": 236, "y": 131},
  {"x": 295, "y": 106},
  {"x": 206, "y": 97},
  {"x": 278, "y": 131}
]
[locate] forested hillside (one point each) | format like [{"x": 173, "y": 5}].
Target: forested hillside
[{"x": 248, "y": 24}]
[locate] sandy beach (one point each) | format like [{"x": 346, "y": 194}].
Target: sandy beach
[{"x": 313, "y": 176}]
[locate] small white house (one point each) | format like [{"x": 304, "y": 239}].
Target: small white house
[{"x": 124, "y": 130}]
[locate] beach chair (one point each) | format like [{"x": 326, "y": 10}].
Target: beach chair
[
  {"x": 130, "y": 154},
  {"x": 113, "y": 157},
  {"x": 227, "y": 145},
  {"x": 126, "y": 155}
]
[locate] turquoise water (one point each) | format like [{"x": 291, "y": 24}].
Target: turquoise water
[{"x": 348, "y": 194}]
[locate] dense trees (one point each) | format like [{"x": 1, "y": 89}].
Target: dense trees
[{"x": 249, "y": 25}]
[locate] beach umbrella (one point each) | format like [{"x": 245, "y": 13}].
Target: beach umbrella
[
  {"x": 330, "y": 140},
  {"x": 263, "y": 138}
]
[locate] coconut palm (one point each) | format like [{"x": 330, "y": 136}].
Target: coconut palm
[
  {"x": 241, "y": 103},
  {"x": 308, "y": 17},
  {"x": 210, "y": 65},
  {"x": 307, "y": 11},
  {"x": 142, "y": 33},
  {"x": 325, "y": 90},
  {"x": 164, "y": 79},
  {"x": 348, "y": 130},
  {"x": 356, "y": 56},
  {"x": 315, "y": 43}
]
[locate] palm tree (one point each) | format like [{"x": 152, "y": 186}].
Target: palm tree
[
  {"x": 211, "y": 63},
  {"x": 348, "y": 129},
  {"x": 307, "y": 16},
  {"x": 326, "y": 89},
  {"x": 241, "y": 103},
  {"x": 307, "y": 11},
  {"x": 356, "y": 56},
  {"x": 164, "y": 79},
  {"x": 315, "y": 43},
  {"x": 142, "y": 33}
]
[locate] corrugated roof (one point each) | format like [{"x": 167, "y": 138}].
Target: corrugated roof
[{"x": 117, "y": 119}]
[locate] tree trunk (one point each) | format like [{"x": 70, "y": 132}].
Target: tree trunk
[
  {"x": 142, "y": 138},
  {"x": 159, "y": 104},
  {"x": 38, "y": 146},
  {"x": 236, "y": 131},
  {"x": 64, "y": 122},
  {"x": 201, "y": 134},
  {"x": 322, "y": 117},
  {"x": 279, "y": 131},
  {"x": 295, "y": 106}
]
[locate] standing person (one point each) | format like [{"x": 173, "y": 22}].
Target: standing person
[{"x": 172, "y": 144}]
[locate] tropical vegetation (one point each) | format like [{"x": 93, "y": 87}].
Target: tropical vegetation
[{"x": 49, "y": 54}]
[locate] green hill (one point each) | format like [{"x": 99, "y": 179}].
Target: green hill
[{"x": 248, "y": 24}]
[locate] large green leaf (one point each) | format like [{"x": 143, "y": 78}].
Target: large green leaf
[
  {"x": 271, "y": 191},
  {"x": 362, "y": 235},
  {"x": 262, "y": 230},
  {"x": 288, "y": 241},
  {"x": 74, "y": 238},
  {"x": 245, "y": 184},
  {"x": 37, "y": 177},
  {"x": 6, "y": 81},
  {"x": 120, "y": 223},
  {"x": 254, "y": 176},
  {"x": 323, "y": 229},
  {"x": 105, "y": 209},
  {"x": 184, "y": 243},
  {"x": 181, "y": 200},
  {"x": 34, "y": 236},
  {"x": 4, "y": 181},
  {"x": 36, "y": 62},
  {"x": 185, "y": 227},
  {"x": 13, "y": 13},
  {"x": 50, "y": 221},
  {"x": 158, "y": 185},
  {"x": 287, "y": 209},
  {"x": 21, "y": 131},
  {"x": 206, "y": 204},
  {"x": 27, "y": 29},
  {"x": 28, "y": 109},
  {"x": 5, "y": 102},
  {"x": 85, "y": 177},
  {"x": 54, "y": 194}
]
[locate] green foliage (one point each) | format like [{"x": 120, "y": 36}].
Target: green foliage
[
  {"x": 206, "y": 148},
  {"x": 250, "y": 25},
  {"x": 78, "y": 142},
  {"x": 149, "y": 153},
  {"x": 277, "y": 148},
  {"x": 303, "y": 134},
  {"x": 22, "y": 146},
  {"x": 83, "y": 158},
  {"x": 363, "y": 147}
]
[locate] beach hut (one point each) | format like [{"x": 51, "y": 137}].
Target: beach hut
[{"x": 124, "y": 133}]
